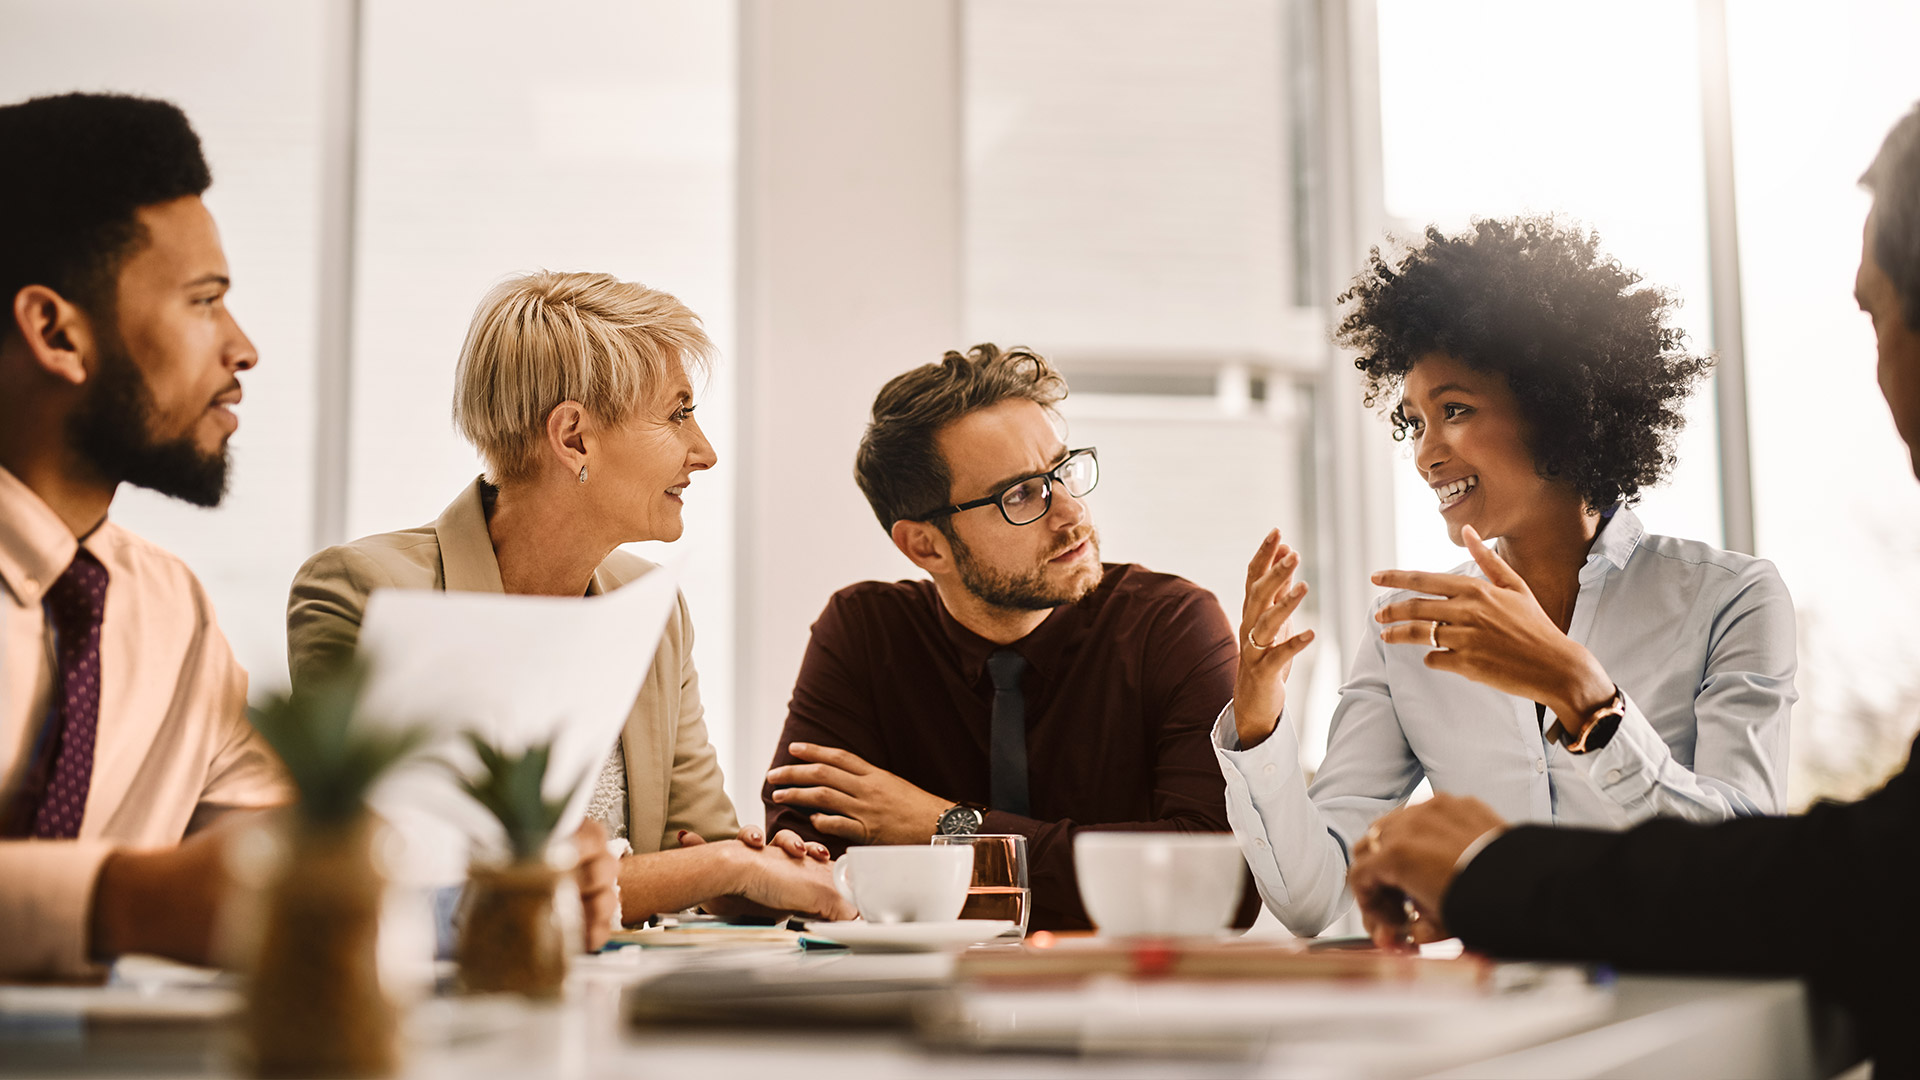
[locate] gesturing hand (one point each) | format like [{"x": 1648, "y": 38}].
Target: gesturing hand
[
  {"x": 1494, "y": 632},
  {"x": 1405, "y": 863},
  {"x": 1267, "y": 641},
  {"x": 861, "y": 802}
]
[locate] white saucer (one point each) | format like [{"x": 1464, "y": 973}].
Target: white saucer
[{"x": 910, "y": 936}]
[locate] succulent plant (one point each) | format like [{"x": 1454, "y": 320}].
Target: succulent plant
[
  {"x": 332, "y": 760},
  {"x": 509, "y": 786}
]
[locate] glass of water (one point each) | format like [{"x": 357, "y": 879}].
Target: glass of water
[{"x": 999, "y": 889}]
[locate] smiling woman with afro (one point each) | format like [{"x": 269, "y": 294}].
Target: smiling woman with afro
[
  {"x": 1600, "y": 374},
  {"x": 1578, "y": 670}
]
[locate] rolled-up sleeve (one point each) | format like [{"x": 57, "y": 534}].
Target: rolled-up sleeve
[
  {"x": 1741, "y": 714},
  {"x": 47, "y": 905}
]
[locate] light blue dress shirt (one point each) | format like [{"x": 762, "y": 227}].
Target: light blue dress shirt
[{"x": 1701, "y": 642}]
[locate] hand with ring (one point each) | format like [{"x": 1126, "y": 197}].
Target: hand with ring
[
  {"x": 1492, "y": 630},
  {"x": 1267, "y": 641}
]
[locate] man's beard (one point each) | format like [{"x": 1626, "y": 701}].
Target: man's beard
[
  {"x": 113, "y": 431},
  {"x": 1029, "y": 591}
]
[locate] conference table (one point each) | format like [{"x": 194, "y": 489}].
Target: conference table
[{"x": 158, "y": 1020}]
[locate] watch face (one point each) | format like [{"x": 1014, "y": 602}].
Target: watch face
[{"x": 960, "y": 821}]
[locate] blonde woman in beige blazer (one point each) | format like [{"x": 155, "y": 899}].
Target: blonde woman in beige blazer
[{"x": 575, "y": 390}]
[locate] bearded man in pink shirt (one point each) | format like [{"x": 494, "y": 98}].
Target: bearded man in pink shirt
[{"x": 123, "y": 730}]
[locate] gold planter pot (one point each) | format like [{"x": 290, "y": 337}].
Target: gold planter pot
[
  {"x": 315, "y": 1006},
  {"x": 511, "y": 939}
]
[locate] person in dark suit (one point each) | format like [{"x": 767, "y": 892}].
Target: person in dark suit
[{"x": 1747, "y": 896}]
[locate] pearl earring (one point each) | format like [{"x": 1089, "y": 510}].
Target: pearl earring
[{"x": 583, "y": 474}]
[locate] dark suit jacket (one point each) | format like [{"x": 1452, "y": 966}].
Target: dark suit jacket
[{"x": 1832, "y": 895}]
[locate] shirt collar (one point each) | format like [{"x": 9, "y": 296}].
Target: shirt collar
[
  {"x": 36, "y": 547},
  {"x": 1620, "y": 534},
  {"x": 1042, "y": 647},
  {"x": 466, "y": 550}
]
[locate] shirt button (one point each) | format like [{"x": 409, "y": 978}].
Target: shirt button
[
  {"x": 1259, "y": 843},
  {"x": 1539, "y": 765},
  {"x": 1613, "y": 776},
  {"x": 1268, "y": 769}
]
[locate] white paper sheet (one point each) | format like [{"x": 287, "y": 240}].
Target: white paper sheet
[{"x": 516, "y": 670}]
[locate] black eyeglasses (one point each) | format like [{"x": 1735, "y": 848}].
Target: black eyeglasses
[{"x": 1028, "y": 499}]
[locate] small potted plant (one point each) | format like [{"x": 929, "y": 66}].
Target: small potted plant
[
  {"x": 315, "y": 1006},
  {"x": 510, "y": 936}
]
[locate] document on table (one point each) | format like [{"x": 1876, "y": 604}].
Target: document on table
[{"x": 516, "y": 670}]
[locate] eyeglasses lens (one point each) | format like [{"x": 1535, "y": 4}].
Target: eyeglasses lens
[
  {"x": 1079, "y": 473},
  {"x": 1026, "y": 502}
]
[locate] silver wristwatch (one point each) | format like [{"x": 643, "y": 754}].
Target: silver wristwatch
[{"x": 961, "y": 819}]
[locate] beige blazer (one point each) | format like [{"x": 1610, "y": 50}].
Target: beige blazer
[{"x": 673, "y": 773}]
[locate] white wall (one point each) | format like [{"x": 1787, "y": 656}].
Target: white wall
[
  {"x": 1129, "y": 194},
  {"x": 850, "y": 274}
]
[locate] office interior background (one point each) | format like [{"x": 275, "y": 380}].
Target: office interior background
[{"x": 1163, "y": 197}]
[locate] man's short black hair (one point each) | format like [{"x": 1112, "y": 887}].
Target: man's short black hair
[
  {"x": 78, "y": 166},
  {"x": 1601, "y": 373},
  {"x": 1894, "y": 179}
]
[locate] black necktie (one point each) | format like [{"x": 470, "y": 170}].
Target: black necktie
[{"x": 1007, "y": 748}]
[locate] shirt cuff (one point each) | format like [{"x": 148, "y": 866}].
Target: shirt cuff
[
  {"x": 1479, "y": 845},
  {"x": 1265, "y": 768},
  {"x": 1628, "y": 767},
  {"x": 46, "y": 904}
]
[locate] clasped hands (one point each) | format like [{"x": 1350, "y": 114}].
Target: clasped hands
[{"x": 855, "y": 800}]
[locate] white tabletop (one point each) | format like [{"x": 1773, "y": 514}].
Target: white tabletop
[{"x": 1551, "y": 1022}]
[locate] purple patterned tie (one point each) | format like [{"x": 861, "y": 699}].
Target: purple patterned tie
[{"x": 75, "y": 603}]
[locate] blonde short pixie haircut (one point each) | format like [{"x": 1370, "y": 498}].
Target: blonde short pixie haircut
[{"x": 543, "y": 338}]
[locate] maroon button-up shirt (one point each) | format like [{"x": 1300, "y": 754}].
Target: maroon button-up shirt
[{"x": 1121, "y": 691}]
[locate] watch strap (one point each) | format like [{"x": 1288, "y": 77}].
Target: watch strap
[{"x": 1598, "y": 731}]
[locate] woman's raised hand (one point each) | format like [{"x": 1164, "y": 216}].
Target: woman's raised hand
[
  {"x": 1267, "y": 641},
  {"x": 1493, "y": 632}
]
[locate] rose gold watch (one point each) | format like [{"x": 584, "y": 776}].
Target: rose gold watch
[{"x": 1598, "y": 731}]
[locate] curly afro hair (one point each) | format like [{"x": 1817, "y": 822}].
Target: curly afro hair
[{"x": 1600, "y": 374}]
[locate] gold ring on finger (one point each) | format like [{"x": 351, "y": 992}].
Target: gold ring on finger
[
  {"x": 1433, "y": 634},
  {"x": 1257, "y": 645}
]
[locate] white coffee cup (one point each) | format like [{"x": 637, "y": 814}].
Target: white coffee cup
[
  {"x": 1159, "y": 884},
  {"x": 905, "y": 884}
]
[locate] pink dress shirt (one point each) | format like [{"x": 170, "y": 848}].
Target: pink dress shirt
[{"x": 173, "y": 748}]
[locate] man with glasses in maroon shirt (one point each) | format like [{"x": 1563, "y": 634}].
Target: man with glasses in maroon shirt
[{"x": 1023, "y": 687}]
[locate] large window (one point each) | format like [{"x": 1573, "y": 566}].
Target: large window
[
  {"x": 1492, "y": 108},
  {"x": 1835, "y": 503}
]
